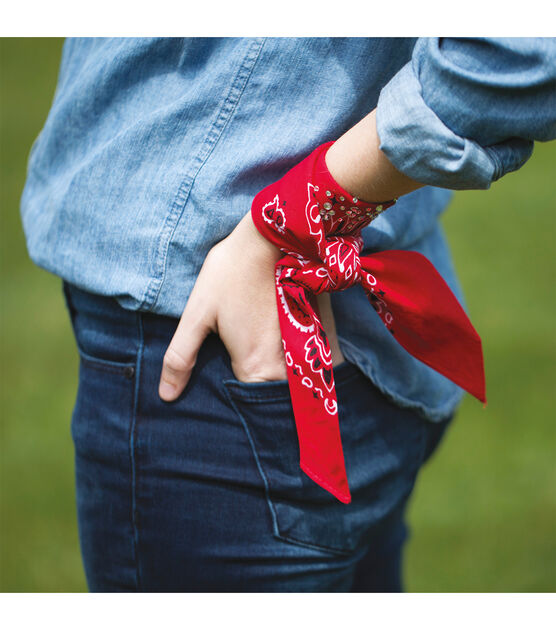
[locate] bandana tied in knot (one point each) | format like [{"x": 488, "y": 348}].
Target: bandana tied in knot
[{"x": 317, "y": 226}]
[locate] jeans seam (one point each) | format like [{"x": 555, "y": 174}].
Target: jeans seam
[
  {"x": 132, "y": 447},
  {"x": 335, "y": 551},
  {"x": 276, "y": 531},
  {"x": 238, "y": 392},
  {"x": 98, "y": 364}
]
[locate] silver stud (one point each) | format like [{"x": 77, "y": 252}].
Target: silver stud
[
  {"x": 342, "y": 207},
  {"x": 379, "y": 208},
  {"x": 327, "y": 205},
  {"x": 342, "y": 198},
  {"x": 355, "y": 200},
  {"x": 316, "y": 188},
  {"x": 328, "y": 193}
]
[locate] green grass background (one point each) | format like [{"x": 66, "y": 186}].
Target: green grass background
[{"x": 483, "y": 516}]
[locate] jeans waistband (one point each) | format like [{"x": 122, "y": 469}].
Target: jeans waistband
[{"x": 103, "y": 329}]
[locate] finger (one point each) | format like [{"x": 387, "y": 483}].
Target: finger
[{"x": 181, "y": 354}]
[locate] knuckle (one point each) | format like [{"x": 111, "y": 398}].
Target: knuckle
[
  {"x": 253, "y": 363},
  {"x": 259, "y": 369},
  {"x": 215, "y": 254},
  {"x": 175, "y": 363}
]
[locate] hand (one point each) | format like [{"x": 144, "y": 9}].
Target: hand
[{"x": 234, "y": 296}]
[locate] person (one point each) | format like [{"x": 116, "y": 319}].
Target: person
[{"x": 137, "y": 196}]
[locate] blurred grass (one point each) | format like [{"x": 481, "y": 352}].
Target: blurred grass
[
  {"x": 39, "y": 548},
  {"x": 484, "y": 512},
  {"x": 483, "y": 516}
]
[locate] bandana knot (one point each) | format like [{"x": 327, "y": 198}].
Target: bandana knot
[
  {"x": 317, "y": 225},
  {"x": 341, "y": 267}
]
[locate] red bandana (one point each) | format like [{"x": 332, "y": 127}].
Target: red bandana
[{"x": 317, "y": 225}]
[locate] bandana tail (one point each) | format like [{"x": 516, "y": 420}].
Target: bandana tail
[
  {"x": 425, "y": 317},
  {"x": 315, "y": 408}
]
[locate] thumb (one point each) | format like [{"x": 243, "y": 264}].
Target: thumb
[{"x": 181, "y": 354}]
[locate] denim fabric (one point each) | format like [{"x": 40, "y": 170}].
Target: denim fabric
[
  {"x": 154, "y": 149},
  {"x": 465, "y": 111},
  {"x": 205, "y": 493}
]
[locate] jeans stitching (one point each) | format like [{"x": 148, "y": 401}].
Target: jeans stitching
[
  {"x": 99, "y": 364},
  {"x": 277, "y": 533},
  {"x": 132, "y": 447},
  {"x": 104, "y": 365},
  {"x": 239, "y": 392},
  {"x": 316, "y": 546}
]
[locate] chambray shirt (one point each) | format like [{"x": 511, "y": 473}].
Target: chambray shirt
[{"x": 153, "y": 150}]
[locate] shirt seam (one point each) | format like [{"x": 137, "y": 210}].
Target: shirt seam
[{"x": 212, "y": 137}]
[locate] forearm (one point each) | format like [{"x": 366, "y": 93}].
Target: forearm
[{"x": 358, "y": 165}]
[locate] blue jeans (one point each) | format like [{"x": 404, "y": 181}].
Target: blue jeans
[{"x": 205, "y": 493}]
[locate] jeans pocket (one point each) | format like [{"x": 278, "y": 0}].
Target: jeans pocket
[
  {"x": 279, "y": 390},
  {"x": 105, "y": 333},
  {"x": 382, "y": 458},
  {"x": 101, "y": 430}
]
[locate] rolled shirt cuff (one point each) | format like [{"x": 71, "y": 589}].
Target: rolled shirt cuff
[{"x": 421, "y": 146}]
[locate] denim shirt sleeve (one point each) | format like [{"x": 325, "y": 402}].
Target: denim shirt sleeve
[{"x": 464, "y": 112}]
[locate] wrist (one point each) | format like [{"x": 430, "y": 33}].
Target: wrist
[
  {"x": 255, "y": 243},
  {"x": 358, "y": 165}
]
